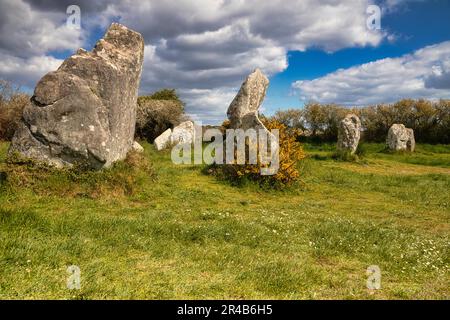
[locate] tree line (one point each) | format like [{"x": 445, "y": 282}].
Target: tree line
[{"x": 430, "y": 120}]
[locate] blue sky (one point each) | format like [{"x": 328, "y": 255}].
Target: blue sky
[
  {"x": 311, "y": 50},
  {"x": 416, "y": 25}
]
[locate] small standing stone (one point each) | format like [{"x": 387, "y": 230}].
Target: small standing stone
[
  {"x": 182, "y": 133},
  {"x": 163, "y": 140}
]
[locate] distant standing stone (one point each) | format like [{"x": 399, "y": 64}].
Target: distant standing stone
[
  {"x": 349, "y": 133},
  {"x": 400, "y": 138},
  {"x": 85, "y": 112}
]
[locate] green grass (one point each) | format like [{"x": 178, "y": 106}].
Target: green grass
[
  {"x": 425, "y": 154},
  {"x": 186, "y": 235}
]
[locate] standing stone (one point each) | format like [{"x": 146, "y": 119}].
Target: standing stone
[
  {"x": 183, "y": 133},
  {"x": 163, "y": 140},
  {"x": 349, "y": 133},
  {"x": 243, "y": 110},
  {"x": 243, "y": 114},
  {"x": 85, "y": 111},
  {"x": 400, "y": 138}
]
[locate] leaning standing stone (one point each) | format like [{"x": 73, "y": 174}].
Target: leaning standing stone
[
  {"x": 85, "y": 112},
  {"x": 243, "y": 110},
  {"x": 349, "y": 133},
  {"x": 243, "y": 114}
]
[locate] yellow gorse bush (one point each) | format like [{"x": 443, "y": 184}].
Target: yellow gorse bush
[{"x": 290, "y": 153}]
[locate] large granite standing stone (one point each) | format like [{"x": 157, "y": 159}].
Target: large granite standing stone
[
  {"x": 400, "y": 138},
  {"x": 349, "y": 133},
  {"x": 85, "y": 112},
  {"x": 243, "y": 110}
]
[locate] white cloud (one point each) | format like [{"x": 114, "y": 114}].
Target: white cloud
[
  {"x": 208, "y": 105},
  {"x": 296, "y": 25},
  {"x": 422, "y": 74},
  {"x": 27, "y": 37},
  {"x": 27, "y": 32},
  {"x": 211, "y": 46},
  {"x": 30, "y": 69},
  {"x": 208, "y": 45}
]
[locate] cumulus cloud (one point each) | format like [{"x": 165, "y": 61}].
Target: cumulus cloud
[
  {"x": 440, "y": 76},
  {"x": 27, "y": 32},
  {"x": 88, "y": 6},
  {"x": 296, "y": 25},
  {"x": 209, "y": 43},
  {"x": 208, "y": 105},
  {"x": 422, "y": 74},
  {"x": 27, "y": 37},
  {"x": 206, "y": 48},
  {"x": 31, "y": 69},
  {"x": 203, "y": 48}
]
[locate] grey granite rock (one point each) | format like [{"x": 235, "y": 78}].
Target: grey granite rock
[
  {"x": 349, "y": 133},
  {"x": 85, "y": 111},
  {"x": 400, "y": 138}
]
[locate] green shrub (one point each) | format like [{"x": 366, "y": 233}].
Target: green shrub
[
  {"x": 164, "y": 94},
  {"x": 158, "y": 112},
  {"x": 290, "y": 153},
  {"x": 12, "y": 102},
  {"x": 291, "y": 118}
]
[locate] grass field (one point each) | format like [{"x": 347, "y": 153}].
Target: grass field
[{"x": 186, "y": 235}]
